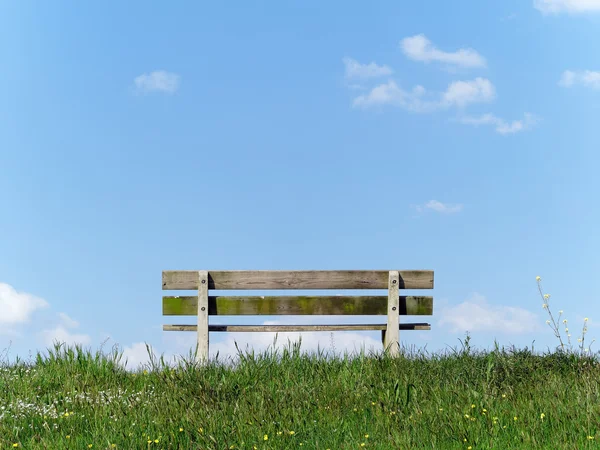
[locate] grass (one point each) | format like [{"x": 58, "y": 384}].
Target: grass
[{"x": 461, "y": 399}]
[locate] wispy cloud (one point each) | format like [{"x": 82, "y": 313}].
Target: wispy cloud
[
  {"x": 136, "y": 355},
  {"x": 500, "y": 125},
  {"x": 68, "y": 322},
  {"x": 419, "y": 48},
  {"x": 458, "y": 94},
  {"x": 475, "y": 314},
  {"x": 61, "y": 333},
  {"x": 444, "y": 208},
  {"x": 585, "y": 78},
  {"x": 511, "y": 16},
  {"x": 17, "y": 307},
  {"x": 570, "y": 6},
  {"x": 354, "y": 69},
  {"x": 157, "y": 81},
  {"x": 461, "y": 93}
]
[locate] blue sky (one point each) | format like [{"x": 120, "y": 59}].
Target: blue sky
[{"x": 458, "y": 137}]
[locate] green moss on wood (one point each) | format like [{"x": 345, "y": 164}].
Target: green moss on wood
[{"x": 297, "y": 305}]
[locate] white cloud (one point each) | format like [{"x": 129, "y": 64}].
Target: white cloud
[
  {"x": 61, "y": 334},
  {"x": 475, "y": 314},
  {"x": 135, "y": 355},
  {"x": 461, "y": 93},
  {"x": 354, "y": 69},
  {"x": 567, "y": 79},
  {"x": 501, "y": 125},
  {"x": 388, "y": 94},
  {"x": 356, "y": 87},
  {"x": 587, "y": 78},
  {"x": 67, "y": 321},
  {"x": 570, "y": 6},
  {"x": 458, "y": 94},
  {"x": 159, "y": 80},
  {"x": 419, "y": 48},
  {"x": 440, "y": 207},
  {"x": 17, "y": 307}
]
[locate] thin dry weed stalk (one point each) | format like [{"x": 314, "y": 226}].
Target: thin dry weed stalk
[{"x": 555, "y": 324}]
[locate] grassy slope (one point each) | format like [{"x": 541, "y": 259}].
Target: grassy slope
[{"x": 461, "y": 399}]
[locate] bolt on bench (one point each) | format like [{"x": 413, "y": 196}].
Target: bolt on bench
[{"x": 393, "y": 305}]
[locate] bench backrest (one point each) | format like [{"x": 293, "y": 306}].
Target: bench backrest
[{"x": 393, "y": 305}]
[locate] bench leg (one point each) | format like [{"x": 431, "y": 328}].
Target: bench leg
[
  {"x": 202, "y": 350},
  {"x": 391, "y": 336}
]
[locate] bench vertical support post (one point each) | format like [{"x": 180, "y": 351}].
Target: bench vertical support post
[
  {"x": 391, "y": 336},
  {"x": 202, "y": 350}
]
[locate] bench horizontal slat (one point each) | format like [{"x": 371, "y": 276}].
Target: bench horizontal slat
[
  {"x": 289, "y": 328},
  {"x": 296, "y": 279},
  {"x": 364, "y": 305}
]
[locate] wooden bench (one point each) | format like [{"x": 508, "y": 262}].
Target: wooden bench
[{"x": 393, "y": 305}]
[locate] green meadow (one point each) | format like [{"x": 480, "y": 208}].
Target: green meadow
[{"x": 461, "y": 399}]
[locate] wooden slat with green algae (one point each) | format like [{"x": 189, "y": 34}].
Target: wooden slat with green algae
[{"x": 297, "y": 305}]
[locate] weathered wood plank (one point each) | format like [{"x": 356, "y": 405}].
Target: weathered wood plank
[
  {"x": 202, "y": 310},
  {"x": 291, "y": 328},
  {"x": 364, "y": 305},
  {"x": 296, "y": 279},
  {"x": 392, "y": 335}
]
